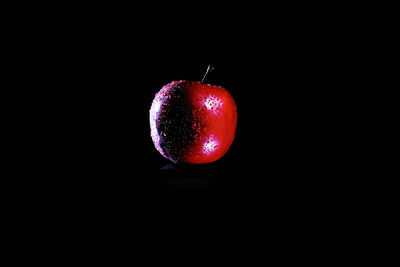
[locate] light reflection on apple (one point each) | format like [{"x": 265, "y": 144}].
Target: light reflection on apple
[
  {"x": 210, "y": 145},
  {"x": 214, "y": 104}
]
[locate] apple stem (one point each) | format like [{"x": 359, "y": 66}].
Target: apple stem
[{"x": 209, "y": 68}]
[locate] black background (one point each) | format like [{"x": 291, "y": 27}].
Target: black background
[
  {"x": 94, "y": 176},
  {"x": 97, "y": 82},
  {"x": 90, "y": 175}
]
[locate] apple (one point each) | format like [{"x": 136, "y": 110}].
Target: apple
[{"x": 193, "y": 122}]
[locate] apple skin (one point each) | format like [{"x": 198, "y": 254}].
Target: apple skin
[{"x": 193, "y": 122}]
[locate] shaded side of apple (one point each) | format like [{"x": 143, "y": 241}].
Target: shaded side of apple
[{"x": 171, "y": 121}]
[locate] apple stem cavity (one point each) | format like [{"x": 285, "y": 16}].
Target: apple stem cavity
[{"x": 209, "y": 68}]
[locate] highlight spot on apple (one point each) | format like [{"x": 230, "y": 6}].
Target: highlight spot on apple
[
  {"x": 213, "y": 103},
  {"x": 210, "y": 145}
]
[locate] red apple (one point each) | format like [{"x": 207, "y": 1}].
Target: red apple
[{"x": 193, "y": 122}]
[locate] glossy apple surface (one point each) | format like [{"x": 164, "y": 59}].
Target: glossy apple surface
[{"x": 193, "y": 122}]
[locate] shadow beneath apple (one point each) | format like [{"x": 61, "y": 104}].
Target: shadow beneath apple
[
  {"x": 192, "y": 168},
  {"x": 169, "y": 167},
  {"x": 187, "y": 180}
]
